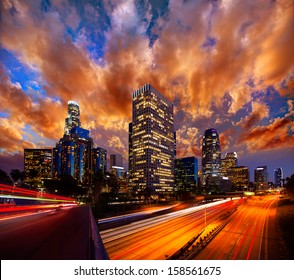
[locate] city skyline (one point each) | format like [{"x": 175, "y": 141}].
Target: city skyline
[{"x": 219, "y": 63}]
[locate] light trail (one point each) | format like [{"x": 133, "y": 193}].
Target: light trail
[
  {"x": 249, "y": 234},
  {"x": 133, "y": 215},
  {"x": 122, "y": 231},
  {"x": 15, "y": 192},
  {"x": 252, "y": 241}
]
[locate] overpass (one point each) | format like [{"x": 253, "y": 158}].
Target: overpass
[{"x": 56, "y": 229}]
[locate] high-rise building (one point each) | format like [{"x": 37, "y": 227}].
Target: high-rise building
[
  {"x": 152, "y": 142},
  {"x": 186, "y": 174},
  {"x": 73, "y": 118},
  {"x": 37, "y": 164},
  {"x": 99, "y": 157},
  {"x": 230, "y": 160},
  {"x": 278, "y": 176},
  {"x": 73, "y": 153},
  {"x": 130, "y": 149},
  {"x": 211, "y": 160},
  {"x": 260, "y": 177},
  {"x": 56, "y": 161},
  {"x": 239, "y": 175}
]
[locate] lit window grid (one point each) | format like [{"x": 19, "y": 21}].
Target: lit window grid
[
  {"x": 39, "y": 160},
  {"x": 155, "y": 126}
]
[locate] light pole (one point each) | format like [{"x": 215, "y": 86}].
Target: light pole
[{"x": 205, "y": 217}]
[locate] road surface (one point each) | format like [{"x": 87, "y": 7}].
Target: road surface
[
  {"x": 159, "y": 237},
  {"x": 251, "y": 234},
  {"x": 60, "y": 234}
]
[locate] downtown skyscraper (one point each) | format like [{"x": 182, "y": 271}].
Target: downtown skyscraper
[
  {"x": 73, "y": 153},
  {"x": 278, "y": 177},
  {"x": 73, "y": 118},
  {"x": 211, "y": 160},
  {"x": 152, "y": 143}
]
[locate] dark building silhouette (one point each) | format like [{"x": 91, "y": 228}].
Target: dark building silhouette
[{"x": 186, "y": 174}]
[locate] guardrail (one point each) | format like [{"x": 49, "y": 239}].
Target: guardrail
[
  {"x": 192, "y": 248},
  {"x": 96, "y": 247}
]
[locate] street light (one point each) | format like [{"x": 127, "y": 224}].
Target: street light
[{"x": 205, "y": 216}]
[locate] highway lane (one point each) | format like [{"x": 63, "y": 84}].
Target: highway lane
[
  {"x": 251, "y": 234},
  {"x": 60, "y": 234},
  {"x": 162, "y": 236}
]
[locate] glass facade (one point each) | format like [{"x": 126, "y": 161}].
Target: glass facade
[
  {"x": 152, "y": 142},
  {"x": 99, "y": 157},
  {"x": 73, "y": 153},
  {"x": 68, "y": 157},
  {"x": 80, "y": 132},
  {"x": 73, "y": 118},
  {"x": 278, "y": 176},
  {"x": 130, "y": 148},
  {"x": 260, "y": 177},
  {"x": 186, "y": 174},
  {"x": 211, "y": 158},
  {"x": 230, "y": 160}
]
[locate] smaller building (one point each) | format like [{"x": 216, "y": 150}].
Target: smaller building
[
  {"x": 239, "y": 175},
  {"x": 99, "y": 157},
  {"x": 260, "y": 178},
  {"x": 116, "y": 160},
  {"x": 230, "y": 160},
  {"x": 118, "y": 171},
  {"x": 186, "y": 174},
  {"x": 37, "y": 165},
  {"x": 278, "y": 177}
]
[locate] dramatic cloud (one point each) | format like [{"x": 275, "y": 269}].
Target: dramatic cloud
[
  {"x": 188, "y": 142},
  {"x": 259, "y": 112},
  {"x": 269, "y": 137},
  {"x": 117, "y": 146},
  {"x": 216, "y": 60}
]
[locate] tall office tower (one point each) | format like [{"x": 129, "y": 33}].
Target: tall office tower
[
  {"x": 230, "y": 160},
  {"x": 73, "y": 118},
  {"x": 186, "y": 174},
  {"x": 211, "y": 160},
  {"x": 99, "y": 157},
  {"x": 239, "y": 176},
  {"x": 278, "y": 176},
  {"x": 260, "y": 177},
  {"x": 152, "y": 143},
  {"x": 130, "y": 148},
  {"x": 73, "y": 153},
  {"x": 37, "y": 164}
]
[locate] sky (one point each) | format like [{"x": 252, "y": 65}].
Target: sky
[{"x": 225, "y": 64}]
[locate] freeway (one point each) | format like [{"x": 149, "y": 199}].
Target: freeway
[
  {"x": 159, "y": 237},
  {"x": 63, "y": 233},
  {"x": 251, "y": 234}
]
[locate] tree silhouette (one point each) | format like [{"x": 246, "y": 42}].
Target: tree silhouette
[
  {"x": 4, "y": 178},
  {"x": 16, "y": 175}
]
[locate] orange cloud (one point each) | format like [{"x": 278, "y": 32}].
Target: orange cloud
[
  {"x": 204, "y": 50},
  {"x": 188, "y": 142},
  {"x": 259, "y": 112},
  {"x": 11, "y": 140},
  {"x": 273, "y": 136}
]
